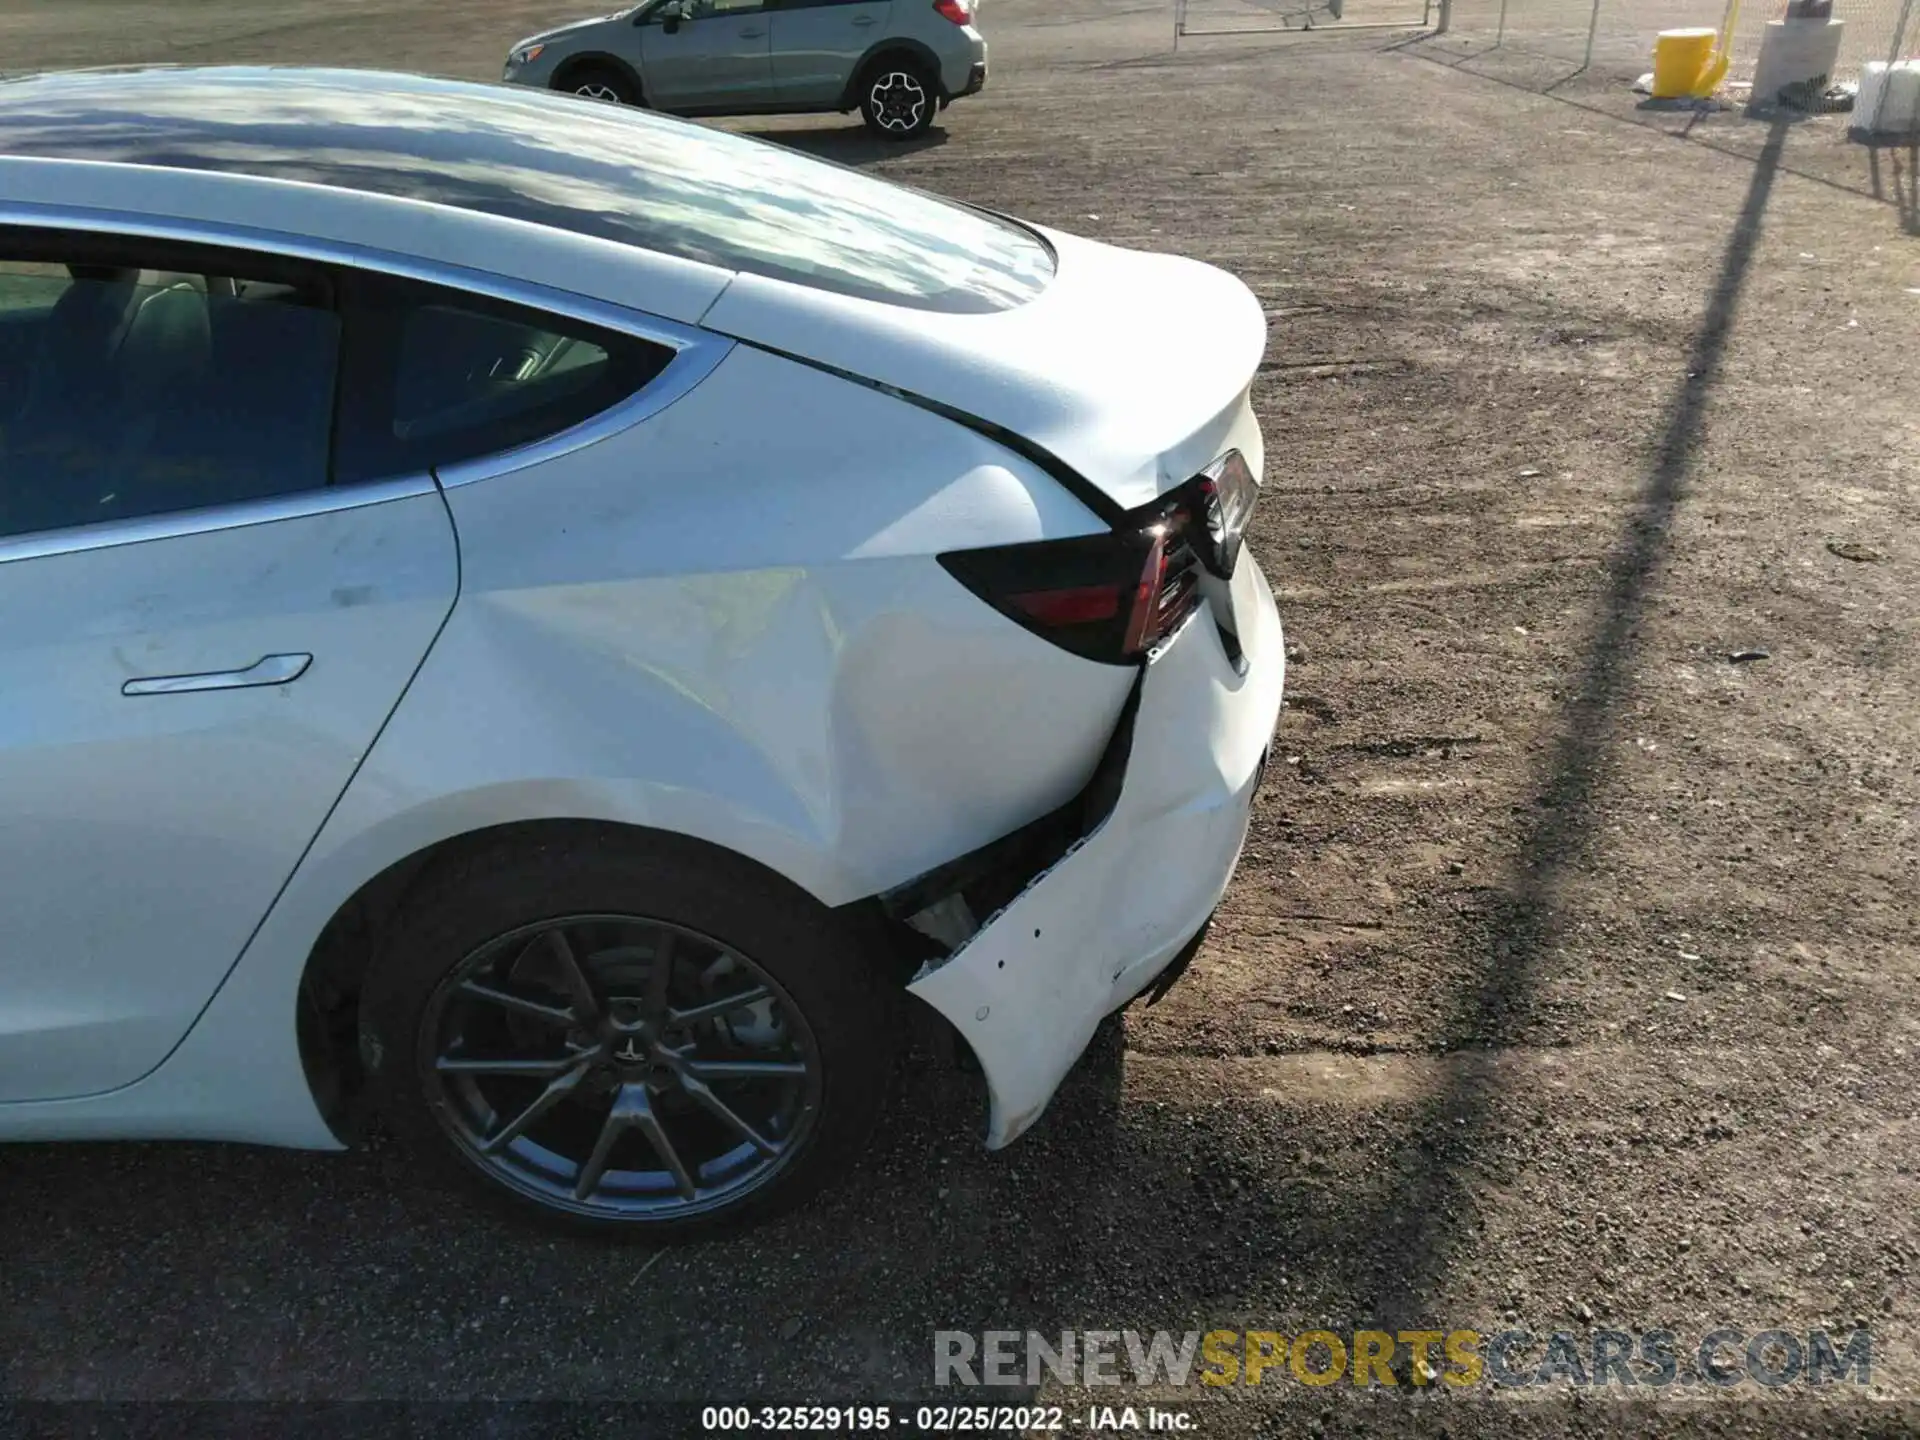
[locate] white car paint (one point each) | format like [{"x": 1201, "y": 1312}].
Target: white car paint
[
  {"x": 144, "y": 838},
  {"x": 733, "y": 631},
  {"x": 1028, "y": 990},
  {"x": 1063, "y": 370}
]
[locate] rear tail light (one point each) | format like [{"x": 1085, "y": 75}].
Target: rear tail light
[
  {"x": 1226, "y": 491},
  {"x": 1115, "y": 597},
  {"x": 954, "y": 10}
]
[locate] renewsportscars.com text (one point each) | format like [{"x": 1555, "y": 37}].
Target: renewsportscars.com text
[{"x": 1513, "y": 1359}]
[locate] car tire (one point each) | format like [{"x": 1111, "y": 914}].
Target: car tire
[
  {"x": 899, "y": 100},
  {"x": 600, "y": 82},
  {"x": 593, "y": 972}
]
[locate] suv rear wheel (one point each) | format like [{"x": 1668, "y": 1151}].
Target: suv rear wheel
[{"x": 898, "y": 100}]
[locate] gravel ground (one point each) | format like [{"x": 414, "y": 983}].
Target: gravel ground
[{"x": 1570, "y": 977}]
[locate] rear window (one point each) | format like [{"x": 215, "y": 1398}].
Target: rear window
[
  {"x": 435, "y": 376},
  {"x": 624, "y": 175}
]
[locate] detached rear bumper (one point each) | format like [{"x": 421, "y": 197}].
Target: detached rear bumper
[{"x": 1028, "y": 990}]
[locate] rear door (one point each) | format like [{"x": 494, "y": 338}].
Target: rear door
[
  {"x": 716, "y": 61},
  {"x": 817, "y": 44},
  {"x": 204, "y": 633},
  {"x": 25, "y": 303}
]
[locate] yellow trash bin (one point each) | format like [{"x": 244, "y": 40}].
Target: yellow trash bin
[{"x": 1679, "y": 60}]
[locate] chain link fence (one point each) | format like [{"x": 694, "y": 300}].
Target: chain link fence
[
  {"x": 1615, "y": 37},
  {"x": 1549, "y": 44},
  {"x": 1265, "y": 17}
]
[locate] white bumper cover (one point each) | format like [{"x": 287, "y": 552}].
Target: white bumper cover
[{"x": 1030, "y": 988}]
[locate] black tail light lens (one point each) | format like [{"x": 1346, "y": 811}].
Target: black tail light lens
[{"x": 1115, "y": 597}]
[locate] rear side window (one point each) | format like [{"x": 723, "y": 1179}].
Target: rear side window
[
  {"x": 436, "y": 376},
  {"x": 136, "y": 382}
]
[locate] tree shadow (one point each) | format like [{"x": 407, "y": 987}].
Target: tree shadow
[{"x": 1410, "y": 1223}]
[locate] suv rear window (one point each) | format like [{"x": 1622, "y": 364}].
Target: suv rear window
[{"x": 626, "y": 175}]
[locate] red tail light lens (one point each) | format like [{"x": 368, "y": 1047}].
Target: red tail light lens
[
  {"x": 1142, "y": 618},
  {"x": 1106, "y": 597},
  {"x": 1115, "y": 597},
  {"x": 954, "y": 10},
  {"x": 1083, "y": 605}
]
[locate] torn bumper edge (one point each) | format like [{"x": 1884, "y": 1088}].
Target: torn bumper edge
[{"x": 1029, "y": 989}]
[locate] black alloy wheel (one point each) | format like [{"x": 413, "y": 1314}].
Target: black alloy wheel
[{"x": 626, "y": 1033}]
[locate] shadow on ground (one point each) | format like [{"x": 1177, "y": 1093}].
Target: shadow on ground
[
  {"x": 1524, "y": 926},
  {"x": 1896, "y": 179},
  {"x": 850, "y": 145},
  {"x": 1824, "y": 149}
]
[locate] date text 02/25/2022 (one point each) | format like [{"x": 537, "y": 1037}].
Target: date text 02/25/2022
[{"x": 942, "y": 1419}]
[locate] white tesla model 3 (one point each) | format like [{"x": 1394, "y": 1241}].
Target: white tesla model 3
[{"x": 548, "y": 623}]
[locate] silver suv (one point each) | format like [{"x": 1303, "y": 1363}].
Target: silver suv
[{"x": 898, "y": 62}]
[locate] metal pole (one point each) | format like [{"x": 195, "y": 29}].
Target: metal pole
[
  {"x": 1500, "y": 35},
  {"x": 1893, "y": 58},
  {"x": 1593, "y": 27},
  {"x": 1446, "y": 16}
]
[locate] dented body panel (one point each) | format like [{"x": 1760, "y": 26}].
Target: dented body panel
[
  {"x": 732, "y": 632},
  {"x": 741, "y": 635},
  {"x": 721, "y": 614},
  {"x": 1030, "y": 988}
]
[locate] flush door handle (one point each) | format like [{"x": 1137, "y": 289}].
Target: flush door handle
[{"x": 269, "y": 670}]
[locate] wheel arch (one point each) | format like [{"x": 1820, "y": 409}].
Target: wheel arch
[
  {"x": 349, "y": 943},
  {"x": 598, "y": 59},
  {"x": 892, "y": 49}
]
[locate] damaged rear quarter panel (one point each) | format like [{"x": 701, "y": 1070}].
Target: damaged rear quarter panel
[{"x": 727, "y": 622}]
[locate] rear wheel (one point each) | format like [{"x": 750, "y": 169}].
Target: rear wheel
[
  {"x": 898, "y": 100},
  {"x": 645, "y": 1040},
  {"x": 600, "y": 82}
]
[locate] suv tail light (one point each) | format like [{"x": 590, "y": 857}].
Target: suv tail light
[
  {"x": 955, "y": 10},
  {"x": 1114, "y": 597}
]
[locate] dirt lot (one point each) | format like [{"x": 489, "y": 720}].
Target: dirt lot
[{"x": 1571, "y": 977}]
